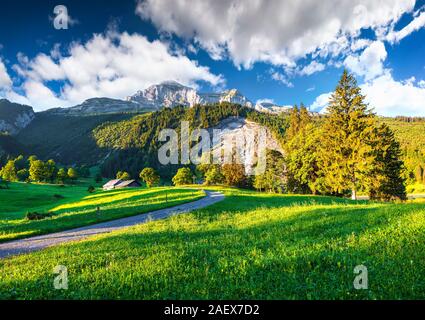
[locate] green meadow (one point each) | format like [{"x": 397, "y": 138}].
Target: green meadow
[
  {"x": 249, "y": 246},
  {"x": 72, "y": 206}
]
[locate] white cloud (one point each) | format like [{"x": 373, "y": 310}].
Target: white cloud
[
  {"x": 387, "y": 97},
  {"x": 321, "y": 102},
  {"x": 311, "y": 89},
  {"x": 112, "y": 65},
  {"x": 292, "y": 29},
  {"x": 5, "y": 81},
  {"x": 279, "y": 77},
  {"x": 417, "y": 23},
  {"x": 313, "y": 67},
  {"x": 370, "y": 62},
  {"x": 360, "y": 44}
]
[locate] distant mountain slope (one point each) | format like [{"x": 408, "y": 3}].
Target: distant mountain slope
[
  {"x": 170, "y": 94},
  {"x": 67, "y": 139},
  {"x": 14, "y": 117},
  {"x": 96, "y": 106}
]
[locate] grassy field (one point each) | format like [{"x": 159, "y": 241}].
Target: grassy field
[
  {"x": 250, "y": 246},
  {"x": 73, "y": 206}
]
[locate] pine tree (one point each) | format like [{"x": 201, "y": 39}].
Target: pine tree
[
  {"x": 346, "y": 154},
  {"x": 305, "y": 116},
  {"x": 260, "y": 182},
  {"x": 387, "y": 181},
  {"x": 274, "y": 178}
]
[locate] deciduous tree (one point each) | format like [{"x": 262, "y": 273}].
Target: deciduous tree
[
  {"x": 150, "y": 177},
  {"x": 234, "y": 174},
  {"x": 123, "y": 175},
  {"x": 9, "y": 172},
  {"x": 37, "y": 170},
  {"x": 213, "y": 176},
  {"x": 72, "y": 174},
  {"x": 183, "y": 176},
  {"x": 62, "y": 175}
]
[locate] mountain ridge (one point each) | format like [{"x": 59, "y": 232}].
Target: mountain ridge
[{"x": 167, "y": 94}]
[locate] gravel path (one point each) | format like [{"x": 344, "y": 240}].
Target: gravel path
[{"x": 41, "y": 242}]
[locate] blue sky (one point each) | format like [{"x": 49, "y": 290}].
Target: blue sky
[{"x": 284, "y": 51}]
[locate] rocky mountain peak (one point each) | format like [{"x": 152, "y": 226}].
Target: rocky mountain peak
[{"x": 14, "y": 117}]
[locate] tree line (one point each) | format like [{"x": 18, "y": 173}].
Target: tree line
[
  {"x": 347, "y": 152},
  {"x": 32, "y": 169}
]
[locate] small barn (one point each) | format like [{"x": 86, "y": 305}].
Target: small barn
[
  {"x": 110, "y": 185},
  {"x": 128, "y": 184}
]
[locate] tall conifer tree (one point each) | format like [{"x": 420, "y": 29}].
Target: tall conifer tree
[
  {"x": 345, "y": 149},
  {"x": 386, "y": 178}
]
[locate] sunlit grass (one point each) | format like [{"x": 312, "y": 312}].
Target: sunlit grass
[
  {"x": 249, "y": 246},
  {"x": 78, "y": 207}
]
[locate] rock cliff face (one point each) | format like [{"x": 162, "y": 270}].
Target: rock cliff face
[
  {"x": 170, "y": 94},
  {"x": 270, "y": 108},
  {"x": 14, "y": 117},
  {"x": 247, "y": 140}
]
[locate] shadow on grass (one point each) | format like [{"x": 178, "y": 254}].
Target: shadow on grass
[
  {"x": 124, "y": 197},
  {"x": 308, "y": 255},
  {"x": 89, "y": 215}
]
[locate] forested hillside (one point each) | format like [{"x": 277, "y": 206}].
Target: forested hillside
[
  {"x": 66, "y": 139},
  {"x": 9, "y": 147},
  {"x": 410, "y": 132},
  {"x": 135, "y": 141}
]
